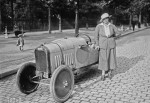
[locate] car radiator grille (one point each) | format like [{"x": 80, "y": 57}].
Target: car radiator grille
[
  {"x": 41, "y": 60},
  {"x": 68, "y": 59}
]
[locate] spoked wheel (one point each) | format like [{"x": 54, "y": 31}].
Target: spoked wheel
[
  {"x": 62, "y": 83},
  {"x": 24, "y": 76}
]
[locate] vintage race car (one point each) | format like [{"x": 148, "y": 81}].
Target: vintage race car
[{"x": 57, "y": 61}]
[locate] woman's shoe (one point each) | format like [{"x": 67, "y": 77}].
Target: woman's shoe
[
  {"x": 102, "y": 77},
  {"x": 110, "y": 75}
]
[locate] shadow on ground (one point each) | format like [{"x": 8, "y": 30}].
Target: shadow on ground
[
  {"x": 124, "y": 64},
  {"x": 87, "y": 74}
]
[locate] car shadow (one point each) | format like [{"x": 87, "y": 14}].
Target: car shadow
[
  {"x": 124, "y": 64},
  {"x": 87, "y": 74}
]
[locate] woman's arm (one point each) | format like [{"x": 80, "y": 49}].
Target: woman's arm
[
  {"x": 96, "y": 35},
  {"x": 117, "y": 32}
]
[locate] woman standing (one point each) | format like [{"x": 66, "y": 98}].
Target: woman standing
[{"x": 105, "y": 43}]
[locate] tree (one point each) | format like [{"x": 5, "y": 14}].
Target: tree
[
  {"x": 9, "y": 6},
  {"x": 136, "y": 7},
  {"x": 59, "y": 8},
  {"x": 101, "y": 6},
  {"x": 0, "y": 18},
  {"x": 86, "y": 10},
  {"x": 5, "y": 10},
  {"x": 139, "y": 6},
  {"x": 48, "y": 4},
  {"x": 75, "y": 5},
  {"x": 117, "y": 9},
  {"x": 30, "y": 12}
]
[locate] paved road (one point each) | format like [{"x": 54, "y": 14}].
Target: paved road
[{"x": 130, "y": 84}]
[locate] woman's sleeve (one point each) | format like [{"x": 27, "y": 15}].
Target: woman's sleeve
[
  {"x": 96, "y": 35},
  {"x": 117, "y": 33}
]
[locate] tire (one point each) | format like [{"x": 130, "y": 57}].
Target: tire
[
  {"x": 62, "y": 83},
  {"x": 24, "y": 75}
]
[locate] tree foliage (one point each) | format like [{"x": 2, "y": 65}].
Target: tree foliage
[{"x": 37, "y": 10}]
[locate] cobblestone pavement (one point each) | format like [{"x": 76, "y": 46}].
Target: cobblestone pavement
[{"x": 130, "y": 83}]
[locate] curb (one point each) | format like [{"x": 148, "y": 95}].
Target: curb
[
  {"x": 128, "y": 33},
  {"x": 13, "y": 69},
  {"x": 8, "y": 72}
]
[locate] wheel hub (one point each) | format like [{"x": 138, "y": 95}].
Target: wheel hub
[{"x": 65, "y": 83}]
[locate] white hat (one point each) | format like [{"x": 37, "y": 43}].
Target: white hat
[
  {"x": 20, "y": 35},
  {"x": 105, "y": 15}
]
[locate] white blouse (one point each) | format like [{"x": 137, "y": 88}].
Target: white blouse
[{"x": 107, "y": 29}]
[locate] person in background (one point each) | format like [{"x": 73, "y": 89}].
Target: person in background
[
  {"x": 133, "y": 25},
  {"x": 105, "y": 43},
  {"x": 20, "y": 42},
  {"x": 134, "y": 21}
]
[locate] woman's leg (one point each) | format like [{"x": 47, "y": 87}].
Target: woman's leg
[
  {"x": 103, "y": 75},
  {"x": 103, "y": 61},
  {"x": 112, "y": 62}
]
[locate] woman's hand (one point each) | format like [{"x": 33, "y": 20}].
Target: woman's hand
[
  {"x": 97, "y": 47},
  {"x": 92, "y": 46},
  {"x": 118, "y": 36}
]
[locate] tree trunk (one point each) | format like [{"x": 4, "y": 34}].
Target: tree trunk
[
  {"x": 130, "y": 21},
  {"x": 59, "y": 17},
  {"x": 77, "y": 19},
  {"x": 87, "y": 25},
  {"x": 29, "y": 14},
  {"x": 12, "y": 13},
  {"x": 139, "y": 23},
  {"x": 49, "y": 19},
  {"x": 0, "y": 21}
]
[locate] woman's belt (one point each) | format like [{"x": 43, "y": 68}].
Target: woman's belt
[{"x": 108, "y": 37}]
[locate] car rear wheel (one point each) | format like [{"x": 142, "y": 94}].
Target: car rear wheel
[
  {"x": 62, "y": 83},
  {"x": 24, "y": 76}
]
